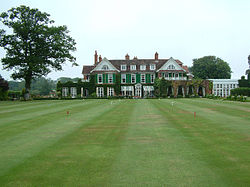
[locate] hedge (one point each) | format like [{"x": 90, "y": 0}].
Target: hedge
[
  {"x": 241, "y": 91},
  {"x": 244, "y": 83}
]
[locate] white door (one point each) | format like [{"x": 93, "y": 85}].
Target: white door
[{"x": 138, "y": 90}]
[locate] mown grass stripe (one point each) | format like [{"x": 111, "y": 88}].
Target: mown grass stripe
[
  {"x": 41, "y": 117},
  {"x": 23, "y": 146},
  {"x": 89, "y": 148},
  {"x": 221, "y": 147},
  {"x": 127, "y": 143},
  {"x": 156, "y": 154}
]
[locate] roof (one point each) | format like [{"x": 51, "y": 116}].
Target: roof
[
  {"x": 117, "y": 63},
  {"x": 87, "y": 69},
  {"x": 138, "y": 62}
]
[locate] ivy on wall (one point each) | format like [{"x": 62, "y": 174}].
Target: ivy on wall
[
  {"x": 91, "y": 85},
  {"x": 162, "y": 87}
]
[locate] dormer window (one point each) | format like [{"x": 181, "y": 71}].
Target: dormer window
[
  {"x": 105, "y": 67},
  {"x": 171, "y": 67},
  {"x": 123, "y": 67},
  {"x": 142, "y": 67},
  {"x": 132, "y": 67},
  {"x": 152, "y": 66}
]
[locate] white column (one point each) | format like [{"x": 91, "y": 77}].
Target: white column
[{"x": 81, "y": 91}]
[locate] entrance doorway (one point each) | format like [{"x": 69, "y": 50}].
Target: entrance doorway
[{"x": 138, "y": 91}]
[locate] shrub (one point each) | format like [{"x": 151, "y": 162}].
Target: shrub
[
  {"x": 241, "y": 91},
  {"x": 93, "y": 95},
  {"x": 3, "y": 94},
  {"x": 13, "y": 95}
]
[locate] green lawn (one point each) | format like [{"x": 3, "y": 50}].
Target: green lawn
[{"x": 125, "y": 143}]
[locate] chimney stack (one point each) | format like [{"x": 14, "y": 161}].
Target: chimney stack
[
  {"x": 127, "y": 57},
  {"x": 96, "y": 56},
  {"x": 156, "y": 56},
  {"x": 100, "y": 58}
]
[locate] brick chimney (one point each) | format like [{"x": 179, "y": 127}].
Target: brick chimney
[
  {"x": 95, "y": 57},
  {"x": 100, "y": 58},
  {"x": 127, "y": 57},
  {"x": 156, "y": 56}
]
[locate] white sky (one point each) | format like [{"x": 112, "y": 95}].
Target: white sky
[{"x": 182, "y": 29}]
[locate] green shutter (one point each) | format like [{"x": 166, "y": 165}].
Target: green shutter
[
  {"x": 147, "y": 78},
  {"x": 127, "y": 78},
  {"x": 113, "y": 78},
  {"x": 103, "y": 78},
  {"x": 138, "y": 78},
  {"x": 107, "y": 77},
  {"x": 170, "y": 74},
  {"x": 96, "y": 78}
]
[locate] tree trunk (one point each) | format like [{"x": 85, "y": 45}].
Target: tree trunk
[{"x": 27, "y": 89}]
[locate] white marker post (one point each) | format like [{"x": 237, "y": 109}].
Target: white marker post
[{"x": 172, "y": 103}]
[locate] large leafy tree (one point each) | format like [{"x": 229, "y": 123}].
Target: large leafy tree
[
  {"x": 210, "y": 67},
  {"x": 35, "y": 46}
]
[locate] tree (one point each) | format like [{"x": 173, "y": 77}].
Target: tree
[
  {"x": 42, "y": 86},
  {"x": 160, "y": 86},
  {"x": 3, "y": 89},
  {"x": 210, "y": 67},
  {"x": 66, "y": 79},
  {"x": 35, "y": 46},
  {"x": 39, "y": 86}
]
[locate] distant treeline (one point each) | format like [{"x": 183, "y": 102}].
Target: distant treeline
[{"x": 40, "y": 86}]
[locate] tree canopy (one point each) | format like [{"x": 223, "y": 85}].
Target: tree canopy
[
  {"x": 36, "y": 46},
  {"x": 210, "y": 67},
  {"x": 66, "y": 79}
]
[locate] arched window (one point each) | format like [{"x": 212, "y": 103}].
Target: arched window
[
  {"x": 171, "y": 66},
  {"x": 105, "y": 67}
]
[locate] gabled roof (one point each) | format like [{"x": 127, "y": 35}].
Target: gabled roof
[
  {"x": 117, "y": 65},
  {"x": 176, "y": 63},
  {"x": 104, "y": 61}
]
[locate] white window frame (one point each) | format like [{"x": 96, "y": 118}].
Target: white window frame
[
  {"x": 98, "y": 78},
  {"x": 65, "y": 91},
  {"x": 110, "y": 78},
  {"x": 87, "y": 77},
  {"x": 133, "y": 76},
  {"x": 143, "y": 77},
  {"x": 132, "y": 67},
  {"x": 123, "y": 77},
  {"x": 100, "y": 91},
  {"x": 110, "y": 91},
  {"x": 123, "y": 67},
  {"x": 73, "y": 92},
  {"x": 152, "y": 78},
  {"x": 105, "y": 67},
  {"x": 152, "y": 66},
  {"x": 127, "y": 90},
  {"x": 142, "y": 67},
  {"x": 171, "y": 67}
]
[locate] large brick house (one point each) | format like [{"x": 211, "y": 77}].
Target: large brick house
[{"x": 135, "y": 77}]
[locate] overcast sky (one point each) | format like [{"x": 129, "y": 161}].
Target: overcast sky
[{"x": 182, "y": 29}]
